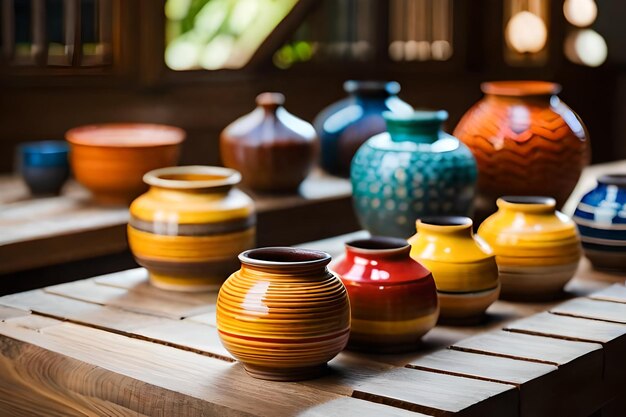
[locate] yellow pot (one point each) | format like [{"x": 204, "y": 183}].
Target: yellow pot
[
  {"x": 537, "y": 248},
  {"x": 283, "y": 314},
  {"x": 188, "y": 229},
  {"x": 463, "y": 265}
]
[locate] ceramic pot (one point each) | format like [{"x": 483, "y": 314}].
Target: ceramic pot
[
  {"x": 111, "y": 159},
  {"x": 526, "y": 142},
  {"x": 189, "y": 227},
  {"x": 537, "y": 248},
  {"x": 601, "y": 220},
  {"x": 413, "y": 170},
  {"x": 273, "y": 149},
  {"x": 44, "y": 166},
  {"x": 345, "y": 125},
  {"x": 283, "y": 314},
  {"x": 393, "y": 298},
  {"x": 463, "y": 265}
]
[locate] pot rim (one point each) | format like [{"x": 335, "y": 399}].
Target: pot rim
[
  {"x": 520, "y": 88},
  {"x": 527, "y": 203},
  {"x": 618, "y": 179},
  {"x": 378, "y": 245},
  {"x": 101, "y": 135},
  {"x": 444, "y": 223},
  {"x": 272, "y": 256},
  {"x": 230, "y": 177},
  {"x": 44, "y": 147}
]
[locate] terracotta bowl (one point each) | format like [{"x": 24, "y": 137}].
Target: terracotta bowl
[{"x": 111, "y": 159}]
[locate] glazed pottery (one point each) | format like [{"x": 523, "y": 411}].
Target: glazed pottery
[
  {"x": 283, "y": 314},
  {"x": 345, "y": 125},
  {"x": 189, "y": 227},
  {"x": 526, "y": 142},
  {"x": 463, "y": 265},
  {"x": 601, "y": 220},
  {"x": 44, "y": 166},
  {"x": 392, "y": 297},
  {"x": 537, "y": 248},
  {"x": 413, "y": 170},
  {"x": 273, "y": 149},
  {"x": 111, "y": 159}
]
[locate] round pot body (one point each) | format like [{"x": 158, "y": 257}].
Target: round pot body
[
  {"x": 413, "y": 170},
  {"x": 273, "y": 149},
  {"x": 283, "y": 314},
  {"x": 345, "y": 125},
  {"x": 44, "y": 166},
  {"x": 463, "y": 265},
  {"x": 393, "y": 298},
  {"x": 526, "y": 142},
  {"x": 111, "y": 159},
  {"x": 189, "y": 227},
  {"x": 537, "y": 248},
  {"x": 601, "y": 220}
]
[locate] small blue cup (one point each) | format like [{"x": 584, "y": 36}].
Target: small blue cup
[{"x": 44, "y": 166}]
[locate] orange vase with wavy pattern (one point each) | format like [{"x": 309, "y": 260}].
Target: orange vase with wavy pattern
[
  {"x": 283, "y": 314},
  {"x": 526, "y": 141}
]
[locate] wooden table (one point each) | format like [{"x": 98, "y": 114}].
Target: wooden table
[
  {"x": 48, "y": 231},
  {"x": 114, "y": 345}
]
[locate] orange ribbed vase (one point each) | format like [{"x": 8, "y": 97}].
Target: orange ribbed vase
[
  {"x": 284, "y": 315},
  {"x": 526, "y": 141}
]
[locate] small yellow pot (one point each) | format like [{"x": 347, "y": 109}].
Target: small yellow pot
[
  {"x": 188, "y": 229},
  {"x": 463, "y": 265},
  {"x": 537, "y": 248}
]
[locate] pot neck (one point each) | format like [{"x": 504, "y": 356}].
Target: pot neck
[
  {"x": 285, "y": 261},
  {"x": 378, "y": 248},
  {"x": 270, "y": 102},
  {"x": 418, "y": 127},
  {"x": 371, "y": 90},
  {"x": 192, "y": 180},
  {"x": 449, "y": 226},
  {"x": 528, "y": 205}
]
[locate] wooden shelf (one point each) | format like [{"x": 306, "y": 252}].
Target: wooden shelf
[
  {"x": 115, "y": 345},
  {"x": 48, "y": 231}
]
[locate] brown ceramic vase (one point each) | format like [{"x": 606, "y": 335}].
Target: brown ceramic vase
[
  {"x": 526, "y": 141},
  {"x": 273, "y": 149}
]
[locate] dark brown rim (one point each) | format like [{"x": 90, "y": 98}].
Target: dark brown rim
[
  {"x": 378, "y": 245},
  {"x": 280, "y": 256}
]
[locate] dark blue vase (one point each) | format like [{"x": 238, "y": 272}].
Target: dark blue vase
[
  {"x": 413, "y": 170},
  {"x": 44, "y": 166},
  {"x": 601, "y": 220},
  {"x": 345, "y": 125}
]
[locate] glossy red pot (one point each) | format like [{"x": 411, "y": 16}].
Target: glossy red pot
[{"x": 392, "y": 297}]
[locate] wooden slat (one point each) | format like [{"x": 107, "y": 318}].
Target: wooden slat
[
  {"x": 615, "y": 293},
  {"x": 158, "y": 303},
  {"x": 33, "y": 322},
  {"x": 579, "y": 364},
  {"x": 592, "y": 309},
  {"x": 79, "y": 311},
  {"x": 9, "y": 312},
  {"x": 439, "y": 394},
  {"x": 209, "y": 318},
  {"x": 162, "y": 380},
  {"x": 612, "y": 336},
  {"x": 532, "y": 348},
  {"x": 39, "y": 48},
  {"x": 540, "y": 386}
]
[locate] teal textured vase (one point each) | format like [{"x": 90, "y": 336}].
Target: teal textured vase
[{"x": 413, "y": 170}]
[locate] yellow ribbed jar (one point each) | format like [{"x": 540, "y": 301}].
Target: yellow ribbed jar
[
  {"x": 463, "y": 266},
  {"x": 537, "y": 248},
  {"x": 283, "y": 314},
  {"x": 188, "y": 229}
]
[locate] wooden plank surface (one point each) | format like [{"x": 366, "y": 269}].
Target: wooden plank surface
[
  {"x": 592, "y": 309},
  {"x": 70, "y": 227},
  {"x": 615, "y": 293}
]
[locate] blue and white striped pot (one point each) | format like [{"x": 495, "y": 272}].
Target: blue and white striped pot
[{"x": 601, "y": 220}]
